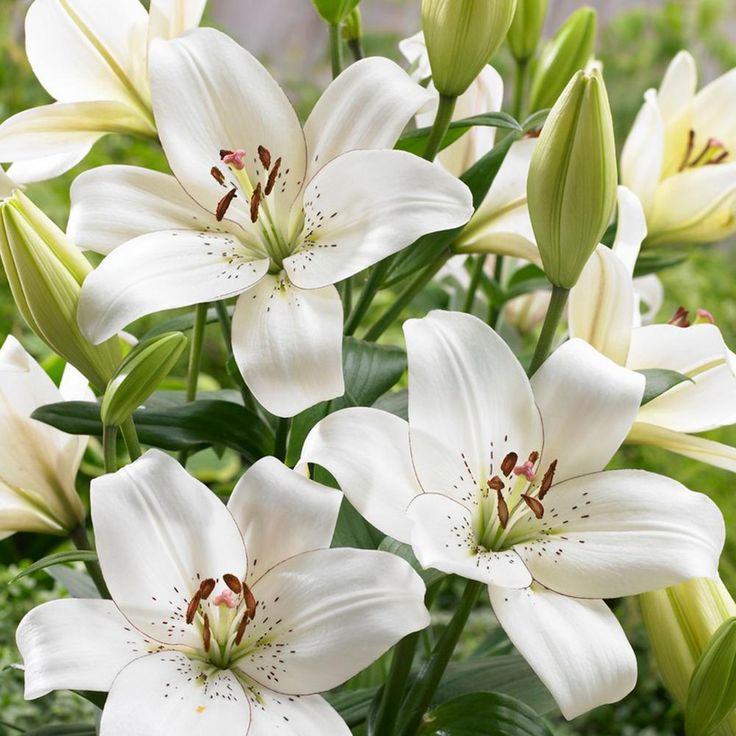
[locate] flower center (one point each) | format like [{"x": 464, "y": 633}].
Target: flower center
[
  {"x": 681, "y": 318},
  {"x": 713, "y": 152}
]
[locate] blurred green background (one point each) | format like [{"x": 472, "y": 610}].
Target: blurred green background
[{"x": 635, "y": 44}]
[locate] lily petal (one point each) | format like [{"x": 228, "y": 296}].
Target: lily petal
[
  {"x": 414, "y": 50},
  {"x": 631, "y": 229},
  {"x": 288, "y": 344},
  {"x": 159, "y": 533},
  {"x": 712, "y": 113},
  {"x": 170, "y": 18},
  {"x": 577, "y": 647},
  {"x": 678, "y": 85},
  {"x": 24, "y": 512}
]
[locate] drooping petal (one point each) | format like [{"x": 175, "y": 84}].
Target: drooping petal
[
  {"x": 170, "y": 18},
  {"x": 22, "y": 510},
  {"x": 631, "y": 229},
  {"x": 114, "y": 204},
  {"x": 168, "y": 693},
  {"x": 414, "y": 50},
  {"x": 281, "y": 514},
  {"x": 470, "y": 403},
  {"x": 159, "y": 533},
  {"x": 366, "y": 205},
  {"x": 678, "y": 85},
  {"x": 40, "y": 169},
  {"x": 442, "y": 537},
  {"x": 577, "y": 647},
  {"x": 705, "y": 402},
  {"x": 367, "y": 451},
  {"x": 651, "y": 298},
  {"x": 288, "y": 344},
  {"x": 229, "y": 101},
  {"x": 164, "y": 270},
  {"x": 623, "y": 532},
  {"x": 73, "y": 644},
  {"x": 366, "y": 107},
  {"x": 588, "y": 404}
]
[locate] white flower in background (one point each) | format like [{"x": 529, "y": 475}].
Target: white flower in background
[
  {"x": 91, "y": 56},
  {"x": 499, "y": 480},
  {"x": 38, "y": 464},
  {"x": 679, "y": 157},
  {"x": 223, "y": 620},
  {"x": 604, "y": 311},
  {"x": 261, "y": 209}
]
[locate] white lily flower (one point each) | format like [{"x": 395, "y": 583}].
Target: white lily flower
[
  {"x": 91, "y": 57},
  {"x": 222, "y": 619},
  {"x": 498, "y": 479},
  {"x": 604, "y": 311},
  {"x": 261, "y": 209},
  {"x": 38, "y": 464},
  {"x": 679, "y": 157}
]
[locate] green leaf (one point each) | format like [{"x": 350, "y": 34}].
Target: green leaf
[
  {"x": 70, "y": 729},
  {"x": 78, "y": 584},
  {"x": 190, "y": 427},
  {"x": 470, "y": 715},
  {"x": 659, "y": 381},
  {"x": 656, "y": 261},
  {"x": 415, "y": 141},
  {"x": 335, "y": 11},
  {"x": 430, "y": 576},
  {"x": 182, "y": 323},
  {"x": 352, "y": 705},
  {"x": 535, "y": 121},
  {"x": 59, "y": 558}
]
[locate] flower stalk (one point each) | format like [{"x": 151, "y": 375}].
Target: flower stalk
[
  {"x": 440, "y": 127},
  {"x": 81, "y": 541},
  {"x": 555, "y": 312}
]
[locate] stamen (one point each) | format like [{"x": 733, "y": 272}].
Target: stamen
[
  {"x": 509, "y": 463},
  {"x": 233, "y": 583},
  {"x": 547, "y": 481},
  {"x": 680, "y": 318},
  {"x": 192, "y": 607},
  {"x": 250, "y": 601},
  {"x": 206, "y": 633},
  {"x": 255, "y": 203},
  {"x": 689, "y": 149},
  {"x": 533, "y": 457},
  {"x": 217, "y": 175},
  {"x": 224, "y": 204},
  {"x": 527, "y": 470},
  {"x": 496, "y": 484},
  {"x": 534, "y": 505},
  {"x": 236, "y": 158},
  {"x": 206, "y": 588},
  {"x": 241, "y": 629},
  {"x": 503, "y": 510},
  {"x": 265, "y": 155},
  {"x": 272, "y": 177}
]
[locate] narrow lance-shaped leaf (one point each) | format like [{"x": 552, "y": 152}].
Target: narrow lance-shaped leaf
[
  {"x": 659, "y": 381},
  {"x": 59, "y": 558}
]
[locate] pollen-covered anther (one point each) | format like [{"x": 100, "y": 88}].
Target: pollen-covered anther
[
  {"x": 272, "y": 177},
  {"x": 533, "y": 457},
  {"x": 217, "y": 175},
  {"x": 235, "y": 158},
  {"x": 509, "y": 463},
  {"x": 233, "y": 583},
  {"x": 193, "y": 607},
  {"x": 206, "y": 633},
  {"x": 224, "y": 204},
  {"x": 496, "y": 484},
  {"x": 680, "y": 318},
  {"x": 265, "y": 156},
  {"x": 206, "y": 587},
  {"x": 240, "y": 633},
  {"x": 547, "y": 480},
  {"x": 250, "y": 601},
  {"x": 526, "y": 469},
  {"x": 534, "y": 504},
  {"x": 255, "y": 203},
  {"x": 503, "y": 510}
]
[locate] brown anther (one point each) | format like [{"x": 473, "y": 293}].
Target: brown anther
[
  {"x": 217, "y": 175},
  {"x": 206, "y": 587},
  {"x": 680, "y": 318},
  {"x": 503, "y": 510},
  {"x": 193, "y": 606},
  {"x": 265, "y": 155},
  {"x": 548, "y": 479},
  {"x": 496, "y": 484},
  {"x": 688, "y": 150},
  {"x": 225, "y": 152},
  {"x": 255, "y": 203},
  {"x": 534, "y": 505},
  {"x": 509, "y": 463},
  {"x": 720, "y": 158},
  {"x": 224, "y": 204},
  {"x": 241, "y": 629},
  {"x": 250, "y": 601},
  {"x": 533, "y": 457},
  {"x": 206, "y": 633},
  {"x": 233, "y": 583},
  {"x": 272, "y": 177}
]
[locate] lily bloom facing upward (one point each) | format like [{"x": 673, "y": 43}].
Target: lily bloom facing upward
[
  {"x": 261, "y": 209},
  {"x": 680, "y": 157},
  {"x": 498, "y": 479},
  {"x": 224, "y": 619}
]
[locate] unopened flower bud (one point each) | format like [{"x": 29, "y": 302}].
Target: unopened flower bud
[
  {"x": 568, "y": 52},
  {"x": 45, "y": 272},
  {"x": 139, "y": 375},
  {"x": 335, "y": 11},
  {"x": 572, "y": 179},
  {"x": 526, "y": 28},
  {"x": 461, "y": 37},
  {"x": 352, "y": 29}
]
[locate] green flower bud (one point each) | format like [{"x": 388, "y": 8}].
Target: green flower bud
[
  {"x": 461, "y": 38},
  {"x": 139, "y": 375},
  {"x": 572, "y": 179},
  {"x": 568, "y": 52},
  {"x": 45, "y": 271},
  {"x": 335, "y": 11},
  {"x": 352, "y": 29},
  {"x": 526, "y": 28}
]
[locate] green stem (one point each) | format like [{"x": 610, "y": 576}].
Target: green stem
[
  {"x": 476, "y": 274},
  {"x": 336, "y": 48},
  {"x": 520, "y": 88},
  {"x": 109, "y": 448},
  {"x": 393, "y": 690},
  {"x": 356, "y": 48},
  {"x": 81, "y": 541},
  {"x": 282, "y": 438},
  {"x": 441, "y": 125},
  {"x": 367, "y": 295},
  {"x": 347, "y": 296},
  {"x": 226, "y": 328},
  {"x": 406, "y": 297},
  {"x": 494, "y": 313},
  {"x": 555, "y": 312},
  {"x": 130, "y": 435},
  {"x": 420, "y": 696},
  {"x": 195, "y": 359}
]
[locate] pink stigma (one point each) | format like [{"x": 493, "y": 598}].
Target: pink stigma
[
  {"x": 225, "y": 598},
  {"x": 235, "y": 158},
  {"x": 527, "y": 470},
  {"x": 704, "y": 316}
]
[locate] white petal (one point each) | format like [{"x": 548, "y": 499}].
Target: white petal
[
  {"x": 678, "y": 85},
  {"x": 274, "y": 714},
  {"x": 631, "y": 230},
  {"x": 623, "y": 532},
  {"x": 171, "y": 18},
  {"x": 229, "y": 101},
  {"x": 288, "y": 344},
  {"x": 281, "y": 514},
  {"x": 577, "y": 648},
  {"x": 366, "y": 107},
  {"x": 168, "y": 693},
  {"x": 588, "y": 404},
  {"x": 709, "y": 401},
  {"x": 443, "y": 538},
  {"x": 74, "y": 385},
  {"x": 40, "y": 169},
  {"x": 367, "y": 452},
  {"x": 414, "y": 50},
  {"x": 159, "y": 533},
  {"x": 711, "y": 112},
  {"x": 114, "y": 204},
  {"x": 26, "y": 511},
  {"x": 470, "y": 403},
  {"x": 322, "y": 606},
  {"x": 366, "y": 205},
  {"x": 651, "y": 297},
  {"x": 89, "y": 49},
  {"x": 164, "y": 270},
  {"x": 73, "y": 644}
]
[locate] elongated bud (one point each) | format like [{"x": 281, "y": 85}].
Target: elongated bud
[
  {"x": 681, "y": 622},
  {"x": 335, "y": 11},
  {"x": 461, "y": 37},
  {"x": 568, "y": 52},
  {"x": 526, "y": 28},
  {"x": 45, "y": 271},
  {"x": 139, "y": 375},
  {"x": 572, "y": 179}
]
